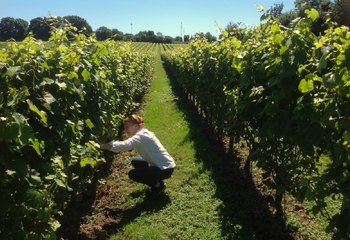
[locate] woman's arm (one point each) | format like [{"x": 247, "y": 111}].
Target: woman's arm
[
  {"x": 120, "y": 146},
  {"x": 105, "y": 146}
]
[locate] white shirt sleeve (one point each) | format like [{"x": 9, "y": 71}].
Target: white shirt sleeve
[{"x": 126, "y": 145}]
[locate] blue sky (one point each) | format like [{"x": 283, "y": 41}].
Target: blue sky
[{"x": 157, "y": 15}]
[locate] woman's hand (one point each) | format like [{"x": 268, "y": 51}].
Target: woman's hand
[{"x": 105, "y": 146}]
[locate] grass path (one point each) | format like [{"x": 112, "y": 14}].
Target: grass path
[
  {"x": 208, "y": 196},
  {"x": 189, "y": 209}
]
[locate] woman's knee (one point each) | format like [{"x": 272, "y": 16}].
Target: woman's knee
[{"x": 167, "y": 173}]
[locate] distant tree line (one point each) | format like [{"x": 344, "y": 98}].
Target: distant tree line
[
  {"x": 18, "y": 29},
  {"x": 40, "y": 28},
  {"x": 338, "y": 11},
  {"x": 327, "y": 9}
]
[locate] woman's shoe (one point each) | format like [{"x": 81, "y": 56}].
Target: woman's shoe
[{"x": 155, "y": 191}]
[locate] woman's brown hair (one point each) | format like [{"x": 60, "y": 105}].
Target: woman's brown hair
[{"x": 133, "y": 119}]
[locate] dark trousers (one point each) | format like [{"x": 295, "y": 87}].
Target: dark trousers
[{"x": 150, "y": 175}]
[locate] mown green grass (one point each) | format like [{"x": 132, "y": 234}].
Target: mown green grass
[
  {"x": 2, "y": 44},
  {"x": 190, "y": 209},
  {"x": 318, "y": 230},
  {"x": 309, "y": 224}
]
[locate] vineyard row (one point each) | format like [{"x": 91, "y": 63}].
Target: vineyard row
[
  {"x": 57, "y": 99},
  {"x": 285, "y": 93}
]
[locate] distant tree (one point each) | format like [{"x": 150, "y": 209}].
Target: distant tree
[
  {"x": 13, "y": 28},
  {"x": 342, "y": 10},
  {"x": 276, "y": 9},
  {"x": 146, "y": 36},
  {"x": 150, "y": 36},
  {"x": 56, "y": 21},
  {"x": 346, "y": 12},
  {"x": 168, "y": 39},
  {"x": 159, "y": 34},
  {"x": 80, "y": 23},
  {"x": 235, "y": 29},
  {"x": 22, "y": 29},
  {"x": 186, "y": 38},
  {"x": 103, "y": 33},
  {"x": 139, "y": 37},
  {"x": 116, "y": 34},
  {"x": 178, "y": 39},
  {"x": 159, "y": 37},
  {"x": 40, "y": 27},
  {"x": 319, "y": 5},
  {"x": 338, "y": 11},
  {"x": 210, "y": 37},
  {"x": 199, "y": 35},
  {"x": 324, "y": 8},
  {"x": 287, "y": 17},
  {"x": 207, "y": 35},
  {"x": 128, "y": 37}
]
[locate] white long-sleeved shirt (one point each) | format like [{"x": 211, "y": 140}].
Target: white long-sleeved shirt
[{"x": 148, "y": 146}]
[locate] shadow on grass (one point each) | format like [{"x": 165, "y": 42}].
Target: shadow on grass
[
  {"x": 244, "y": 213},
  {"x": 121, "y": 217},
  {"x": 147, "y": 206},
  {"x": 125, "y": 216}
]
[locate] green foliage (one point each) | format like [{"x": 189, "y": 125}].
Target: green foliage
[
  {"x": 57, "y": 99},
  {"x": 285, "y": 92}
]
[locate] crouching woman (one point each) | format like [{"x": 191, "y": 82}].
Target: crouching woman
[{"x": 154, "y": 163}]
